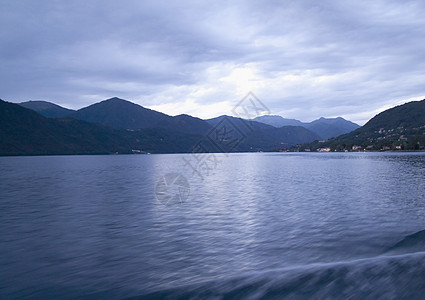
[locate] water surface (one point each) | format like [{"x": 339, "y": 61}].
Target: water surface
[{"x": 256, "y": 225}]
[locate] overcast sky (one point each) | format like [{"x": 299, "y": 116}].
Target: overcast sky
[{"x": 302, "y": 59}]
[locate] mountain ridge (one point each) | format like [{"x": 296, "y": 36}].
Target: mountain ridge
[
  {"x": 47, "y": 109},
  {"x": 117, "y": 125},
  {"x": 26, "y": 132},
  {"x": 123, "y": 114},
  {"x": 399, "y": 128},
  {"x": 325, "y": 128},
  {"x": 275, "y": 138}
]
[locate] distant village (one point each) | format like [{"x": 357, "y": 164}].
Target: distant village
[{"x": 397, "y": 139}]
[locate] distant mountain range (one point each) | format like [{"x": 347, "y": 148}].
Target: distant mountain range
[
  {"x": 25, "y": 132},
  {"x": 399, "y": 128},
  {"x": 324, "y": 128},
  {"x": 120, "y": 126},
  {"x": 121, "y": 114},
  {"x": 260, "y": 136}
]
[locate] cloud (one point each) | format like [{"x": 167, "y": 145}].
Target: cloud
[{"x": 303, "y": 59}]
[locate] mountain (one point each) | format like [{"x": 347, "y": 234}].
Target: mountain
[
  {"x": 184, "y": 123},
  {"x": 399, "y": 128},
  {"x": 295, "y": 135},
  {"x": 258, "y": 136},
  {"x": 408, "y": 116},
  {"x": 122, "y": 114},
  {"x": 323, "y": 127},
  {"x": 47, "y": 109},
  {"x": 117, "y": 125},
  {"x": 25, "y": 132},
  {"x": 331, "y": 127},
  {"x": 241, "y": 123},
  {"x": 278, "y": 121}
]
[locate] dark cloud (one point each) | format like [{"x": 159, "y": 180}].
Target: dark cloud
[{"x": 304, "y": 59}]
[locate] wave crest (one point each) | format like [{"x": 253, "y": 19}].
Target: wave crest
[{"x": 382, "y": 277}]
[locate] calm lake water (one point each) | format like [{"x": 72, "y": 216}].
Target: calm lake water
[{"x": 255, "y": 225}]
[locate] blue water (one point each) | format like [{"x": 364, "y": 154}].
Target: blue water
[{"x": 254, "y": 225}]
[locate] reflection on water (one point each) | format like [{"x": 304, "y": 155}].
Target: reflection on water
[{"x": 93, "y": 225}]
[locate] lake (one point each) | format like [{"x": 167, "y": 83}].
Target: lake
[{"x": 244, "y": 225}]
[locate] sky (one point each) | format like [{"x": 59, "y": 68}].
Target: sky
[{"x": 302, "y": 59}]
